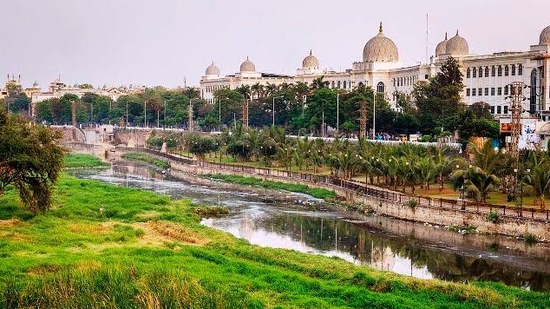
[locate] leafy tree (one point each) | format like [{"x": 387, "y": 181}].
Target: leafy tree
[
  {"x": 30, "y": 160},
  {"x": 438, "y": 101}
]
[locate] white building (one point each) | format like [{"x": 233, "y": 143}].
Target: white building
[{"x": 485, "y": 76}]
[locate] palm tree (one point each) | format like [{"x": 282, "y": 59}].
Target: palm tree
[
  {"x": 537, "y": 183},
  {"x": 319, "y": 83},
  {"x": 477, "y": 182}
]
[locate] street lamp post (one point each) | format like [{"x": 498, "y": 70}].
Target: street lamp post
[
  {"x": 337, "y": 114},
  {"x": 461, "y": 196}
]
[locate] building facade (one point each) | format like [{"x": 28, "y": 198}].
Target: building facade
[{"x": 486, "y": 77}]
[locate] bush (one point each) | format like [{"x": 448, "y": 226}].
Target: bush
[
  {"x": 413, "y": 204},
  {"x": 493, "y": 216}
]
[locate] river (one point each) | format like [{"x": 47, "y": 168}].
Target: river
[{"x": 299, "y": 222}]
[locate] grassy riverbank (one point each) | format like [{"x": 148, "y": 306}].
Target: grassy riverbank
[
  {"x": 275, "y": 185},
  {"x": 103, "y": 246},
  {"x": 134, "y": 156},
  {"x": 75, "y": 160}
]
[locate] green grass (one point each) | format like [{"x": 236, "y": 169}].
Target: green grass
[
  {"x": 276, "y": 185},
  {"x": 74, "y": 160},
  {"x": 103, "y": 246},
  {"x": 147, "y": 159}
]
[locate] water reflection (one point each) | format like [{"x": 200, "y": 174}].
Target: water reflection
[{"x": 273, "y": 219}]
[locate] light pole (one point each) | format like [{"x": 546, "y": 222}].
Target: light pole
[
  {"x": 337, "y": 114},
  {"x": 145, "y": 116},
  {"x": 374, "y": 115},
  {"x": 461, "y": 196}
]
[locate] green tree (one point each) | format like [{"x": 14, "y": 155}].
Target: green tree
[{"x": 30, "y": 160}]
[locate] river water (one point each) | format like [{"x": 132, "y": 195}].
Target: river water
[{"x": 301, "y": 223}]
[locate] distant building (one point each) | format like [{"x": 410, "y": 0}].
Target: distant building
[{"x": 486, "y": 77}]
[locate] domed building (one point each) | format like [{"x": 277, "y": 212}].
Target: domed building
[
  {"x": 441, "y": 48},
  {"x": 485, "y": 77},
  {"x": 457, "y": 46},
  {"x": 544, "y": 38},
  {"x": 310, "y": 65},
  {"x": 212, "y": 71},
  {"x": 380, "y": 49}
]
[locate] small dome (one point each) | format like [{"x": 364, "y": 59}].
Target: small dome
[
  {"x": 441, "y": 48},
  {"x": 212, "y": 69},
  {"x": 545, "y": 36},
  {"x": 248, "y": 66},
  {"x": 457, "y": 46},
  {"x": 310, "y": 62},
  {"x": 380, "y": 49}
]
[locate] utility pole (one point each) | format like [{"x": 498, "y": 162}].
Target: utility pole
[{"x": 516, "y": 95}]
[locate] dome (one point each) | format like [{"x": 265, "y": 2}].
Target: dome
[
  {"x": 212, "y": 69},
  {"x": 441, "y": 48},
  {"x": 545, "y": 36},
  {"x": 457, "y": 46},
  {"x": 380, "y": 49},
  {"x": 248, "y": 66},
  {"x": 310, "y": 62}
]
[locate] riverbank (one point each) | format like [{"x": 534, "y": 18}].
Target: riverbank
[{"x": 107, "y": 246}]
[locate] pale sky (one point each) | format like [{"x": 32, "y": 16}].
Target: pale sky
[{"x": 163, "y": 42}]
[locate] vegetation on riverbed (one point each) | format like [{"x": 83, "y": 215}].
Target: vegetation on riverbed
[
  {"x": 162, "y": 164},
  {"x": 75, "y": 160},
  {"x": 276, "y": 185},
  {"x": 103, "y": 246}
]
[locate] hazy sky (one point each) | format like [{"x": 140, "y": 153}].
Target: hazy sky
[{"x": 122, "y": 42}]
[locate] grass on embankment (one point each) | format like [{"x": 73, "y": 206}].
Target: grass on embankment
[
  {"x": 103, "y": 246},
  {"x": 147, "y": 159},
  {"x": 276, "y": 185},
  {"x": 74, "y": 160}
]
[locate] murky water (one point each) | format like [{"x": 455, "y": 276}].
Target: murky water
[{"x": 297, "y": 222}]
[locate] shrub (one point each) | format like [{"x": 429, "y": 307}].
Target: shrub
[
  {"x": 413, "y": 203},
  {"x": 493, "y": 216}
]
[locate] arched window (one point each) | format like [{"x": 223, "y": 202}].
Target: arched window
[
  {"x": 380, "y": 88},
  {"x": 486, "y": 71},
  {"x": 339, "y": 84},
  {"x": 499, "y": 70},
  {"x": 474, "y": 72},
  {"x": 344, "y": 84},
  {"x": 520, "y": 69},
  {"x": 332, "y": 85},
  {"x": 513, "y": 69},
  {"x": 393, "y": 82},
  {"x": 468, "y": 73},
  {"x": 480, "y": 71},
  {"x": 493, "y": 70},
  {"x": 506, "y": 70}
]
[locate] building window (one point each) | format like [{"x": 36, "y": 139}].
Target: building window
[
  {"x": 380, "y": 88},
  {"x": 492, "y": 110},
  {"x": 520, "y": 69},
  {"x": 493, "y": 91},
  {"x": 486, "y": 91},
  {"x": 493, "y": 71},
  {"x": 332, "y": 85},
  {"x": 480, "y": 72},
  {"x": 468, "y": 73},
  {"x": 480, "y": 91},
  {"x": 474, "y": 72},
  {"x": 506, "y": 90},
  {"x": 499, "y": 109},
  {"x": 344, "y": 84},
  {"x": 467, "y": 92},
  {"x": 513, "y": 69},
  {"x": 426, "y": 76},
  {"x": 499, "y": 70},
  {"x": 339, "y": 84},
  {"x": 505, "y": 109},
  {"x": 499, "y": 91},
  {"x": 506, "y": 70},
  {"x": 474, "y": 90},
  {"x": 486, "y": 71}
]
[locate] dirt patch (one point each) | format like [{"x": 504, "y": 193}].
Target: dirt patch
[
  {"x": 158, "y": 231},
  {"x": 9, "y": 223}
]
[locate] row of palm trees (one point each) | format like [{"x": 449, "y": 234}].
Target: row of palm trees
[{"x": 478, "y": 172}]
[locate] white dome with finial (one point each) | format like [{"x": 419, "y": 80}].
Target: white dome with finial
[
  {"x": 247, "y": 66},
  {"x": 544, "y": 38},
  {"x": 380, "y": 49},
  {"x": 212, "y": 70},
  {"x": 457, "y": 46},
  {"x": 310, "y": 62},
  {"x": 441, "y": 48}
]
